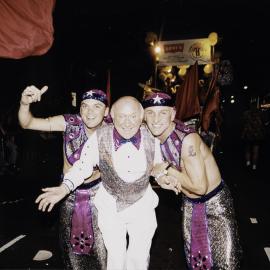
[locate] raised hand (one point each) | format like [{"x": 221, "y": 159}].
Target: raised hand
[{"x": 32, "y": 94}]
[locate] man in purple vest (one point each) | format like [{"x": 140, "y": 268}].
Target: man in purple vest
[
  {"x": 80, "y": 238},
  {"x": 209, "y": 227},
  {"x": 126, "y": 153}
]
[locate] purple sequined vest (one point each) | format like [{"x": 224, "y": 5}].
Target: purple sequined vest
[
  {"x": 125, "y": 193},
  {"x": 171, "y": 148},
  {"x": 74, "y": 137}
]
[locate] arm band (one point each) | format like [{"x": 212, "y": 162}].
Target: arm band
[{"x": 69, "y": 184}]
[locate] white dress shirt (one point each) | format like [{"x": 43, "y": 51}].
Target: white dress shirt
[{"x": 128, "y": 161}]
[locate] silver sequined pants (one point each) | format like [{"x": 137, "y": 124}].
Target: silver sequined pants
[
  {"x": 222, "y": 230},
  {"x": 94, "y": 261}
]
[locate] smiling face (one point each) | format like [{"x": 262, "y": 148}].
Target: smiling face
[
  {"x": 92, "y": 112},
  {"x": 159, "y": 119},
  {"x": 127, "y": 114}
]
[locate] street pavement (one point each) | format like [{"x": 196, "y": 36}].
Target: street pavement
[{"x": 24, "y": 230}]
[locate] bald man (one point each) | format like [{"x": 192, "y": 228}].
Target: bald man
[{"x": 125, "y": 152}]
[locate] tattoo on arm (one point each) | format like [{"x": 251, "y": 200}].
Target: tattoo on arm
[{"x": 191, "y": 151}]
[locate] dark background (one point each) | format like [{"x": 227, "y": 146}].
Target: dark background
[{"x": 91, "y": 38}]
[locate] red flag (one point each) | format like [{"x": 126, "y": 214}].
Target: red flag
[
  {"x": 211, "y": 107},
  {"x": 213, "y": 81},
  {"x": 26, "y": 27},
  {"x": 205, "y": 90},
  {"x": 187, "y": 101}
]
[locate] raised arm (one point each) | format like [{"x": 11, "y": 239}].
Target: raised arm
[{"x": 30, "y": 95}]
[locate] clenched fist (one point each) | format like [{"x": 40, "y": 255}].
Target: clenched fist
[{"x": 32, "y": 94}]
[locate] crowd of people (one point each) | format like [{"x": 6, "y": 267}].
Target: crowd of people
[{"x": 107, "y": 216}]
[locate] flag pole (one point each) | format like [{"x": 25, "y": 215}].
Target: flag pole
[{"x": 108, "y": 87}]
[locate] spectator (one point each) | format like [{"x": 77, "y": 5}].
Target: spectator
[{"x": 253, "y": 133}]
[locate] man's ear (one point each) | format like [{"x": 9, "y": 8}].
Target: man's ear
[
  {"x": 142, "y": 113},
  {"x": 173, "y": 114},
  {"x": 112, "y": 112}
]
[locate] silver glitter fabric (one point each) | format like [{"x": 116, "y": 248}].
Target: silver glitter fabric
[
  {"x": 97, "y": 259},
  {"x": 222, "y": 229},
  {"x": 125, "y": 193}
]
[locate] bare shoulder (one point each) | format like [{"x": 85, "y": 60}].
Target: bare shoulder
[
  {"x": 191, "y": 145},
  {"x": 192, "y": 138}
]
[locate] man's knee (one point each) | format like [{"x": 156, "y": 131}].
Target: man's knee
[
  {"x": 116, "y": 259},
  {"x": 138, "y": 261}
]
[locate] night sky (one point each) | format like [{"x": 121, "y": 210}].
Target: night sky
[{"x": 90, "y": 39}]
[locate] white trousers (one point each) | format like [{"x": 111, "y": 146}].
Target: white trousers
[{"x": 138, "y": 221}]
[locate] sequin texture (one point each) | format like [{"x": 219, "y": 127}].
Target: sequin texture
[
  {"x": 96, "y": 260},
  {"x": 125, "y": 193},
  {"x": 222, "y": 228}
]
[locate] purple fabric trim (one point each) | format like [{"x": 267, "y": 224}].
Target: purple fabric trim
[
  {"x": 171, "y": 148},
  {"x": 82, "y": 235},
  {"x": 165, "y": 147},
  {"x": 200, "y": 247},
  {"x": 74, "y": 137},
  {"x": 209, "y": 195},
  {"x": 119, "y": 140},
  {"x": 157, "y": 99},
  {"x": 97, "y": 95}
]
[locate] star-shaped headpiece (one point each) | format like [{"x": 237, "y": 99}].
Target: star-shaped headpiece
[
  {"x": 90, "y": 92},
  {"x": 95, "y": 94},
  {"x": 157, "y": 99}
]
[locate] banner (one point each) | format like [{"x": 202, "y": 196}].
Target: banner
[
  {"x": 184, "y": 52},
  {"x": 26, "y": 27}
]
